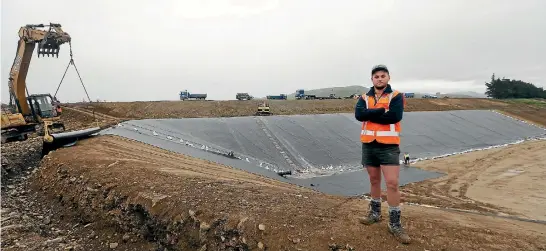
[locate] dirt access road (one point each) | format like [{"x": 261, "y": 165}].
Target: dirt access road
[
  {"x": 508, "y": 180},
  {"x": 185, "y": 203},
  {"x": 532, "y": 110}
]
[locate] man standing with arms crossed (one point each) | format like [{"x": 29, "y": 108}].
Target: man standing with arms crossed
[{"x": 380, "y": 111}]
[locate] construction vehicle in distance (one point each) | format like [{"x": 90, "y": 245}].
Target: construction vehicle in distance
[
  {"x": 409, "y": 95},
  {"x": 243, "y": 96},
  {"x": 331, "y": 96},
  {"x": 429, "y": 96},
  {"x": 37, "y": 112},
  {"x": 300, "y": 94},
  {"x": 263, "y": 109},
  {"x": 185, "y": 95},
  {"x": 352, "y": 96},
  {"x": 280, "y": 97}
]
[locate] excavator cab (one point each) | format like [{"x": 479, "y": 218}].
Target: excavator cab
[
  {"x": 44, "y": 107},
  {"x": 42, "y": 104}
]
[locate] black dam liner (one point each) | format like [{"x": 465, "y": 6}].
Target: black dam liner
[{"x": 323, "y": 152}]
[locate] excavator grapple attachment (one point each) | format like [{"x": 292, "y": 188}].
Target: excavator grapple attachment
[
  {"x": 48, "y": 47},
  {"x": 49, "y": 41}
]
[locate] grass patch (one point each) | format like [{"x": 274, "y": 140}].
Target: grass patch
[{"x": 529, "y": 101}]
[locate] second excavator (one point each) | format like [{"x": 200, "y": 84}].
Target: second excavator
[{"x": 37, "y": 112}]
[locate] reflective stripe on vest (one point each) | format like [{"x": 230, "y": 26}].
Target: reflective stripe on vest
[
  {"x": 391, "y": 132},
  {"x": 388, "y": 136}
]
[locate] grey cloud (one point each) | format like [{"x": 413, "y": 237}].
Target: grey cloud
[{"x": 139, "y": 50}]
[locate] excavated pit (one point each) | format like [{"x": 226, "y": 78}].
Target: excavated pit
[
  {"x": 322, "y": 152},
  {"x": 182, "y": 203}
]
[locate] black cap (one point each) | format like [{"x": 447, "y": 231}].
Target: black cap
[{"x": 379, "y": 67}]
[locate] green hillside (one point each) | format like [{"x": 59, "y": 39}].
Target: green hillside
[{"x": 339, "y": 91}]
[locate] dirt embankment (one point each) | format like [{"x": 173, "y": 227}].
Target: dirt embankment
[
  {"x": 183, "y": 203},
  {"x": 31, "y": 221},
  {"x": 507, "y": 180},
  {"x": 189, "y": 109},
  {"x": 75, "y": 118}
]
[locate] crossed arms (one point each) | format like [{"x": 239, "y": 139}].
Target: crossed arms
[{"x": 378, "y": 115}]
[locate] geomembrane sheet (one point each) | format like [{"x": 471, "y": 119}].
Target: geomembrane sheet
[{"x": 323, "y": 151}]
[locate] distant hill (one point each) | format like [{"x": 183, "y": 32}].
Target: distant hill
[
  {"x": 469, "y": 94},
  {"x": 464, "y": 94},
  {"x": 339, "y": 91},
  {"x": 349, "y": 90}
]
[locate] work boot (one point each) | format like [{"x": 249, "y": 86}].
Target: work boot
[
  {"x": 396, "y": 229},
  {"x": 374, "y": 213}
]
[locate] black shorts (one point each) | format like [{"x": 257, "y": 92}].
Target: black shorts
[{"x": 376, "y": 154}]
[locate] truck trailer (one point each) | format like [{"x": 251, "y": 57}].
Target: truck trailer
[
  {"x": 280, "y": 97},
  {"x": 331, "y": 96},
  {"x": 300, "y": 94},
  {"x": 243, "y": 96},
  {"x": 185, "y": 95}
]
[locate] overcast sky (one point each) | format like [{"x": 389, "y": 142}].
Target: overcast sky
[{"x": 151, "y": 50}]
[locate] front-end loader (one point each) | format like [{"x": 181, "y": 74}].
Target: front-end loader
[{"x": 38, "y": 112}]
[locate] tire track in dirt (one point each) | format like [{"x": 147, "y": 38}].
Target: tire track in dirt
[
  {"x": 94, "y": 114},
  {"x": 491, "y": 170}
]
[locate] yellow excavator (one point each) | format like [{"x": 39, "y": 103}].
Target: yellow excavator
[{"x": 40, "y": 113}]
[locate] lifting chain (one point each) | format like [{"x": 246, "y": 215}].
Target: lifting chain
[{"x": 71, "y": 62}]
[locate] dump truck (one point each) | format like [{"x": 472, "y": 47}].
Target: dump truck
[
  {"x": 281, "y": 97},
  {"x": 300, "y": 94},
  {"x": 185, "y": 95},
  {"x": 29, "y": 113},
  {"x": 243, "y": 96}
]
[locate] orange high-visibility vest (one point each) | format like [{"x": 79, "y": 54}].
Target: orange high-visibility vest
[{"x": 386, "y": 134}]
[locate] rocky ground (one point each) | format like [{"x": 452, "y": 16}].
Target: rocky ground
[
  {"x": 18, "y": 158},
  {"x": 31, "y": 221}
]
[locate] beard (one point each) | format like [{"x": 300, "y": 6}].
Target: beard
[{"x": 380, "y": 87}]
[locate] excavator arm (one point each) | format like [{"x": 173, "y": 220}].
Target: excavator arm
[
  {"x": 40, "y": 112},
  {"x": 49, "y": 42}
]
